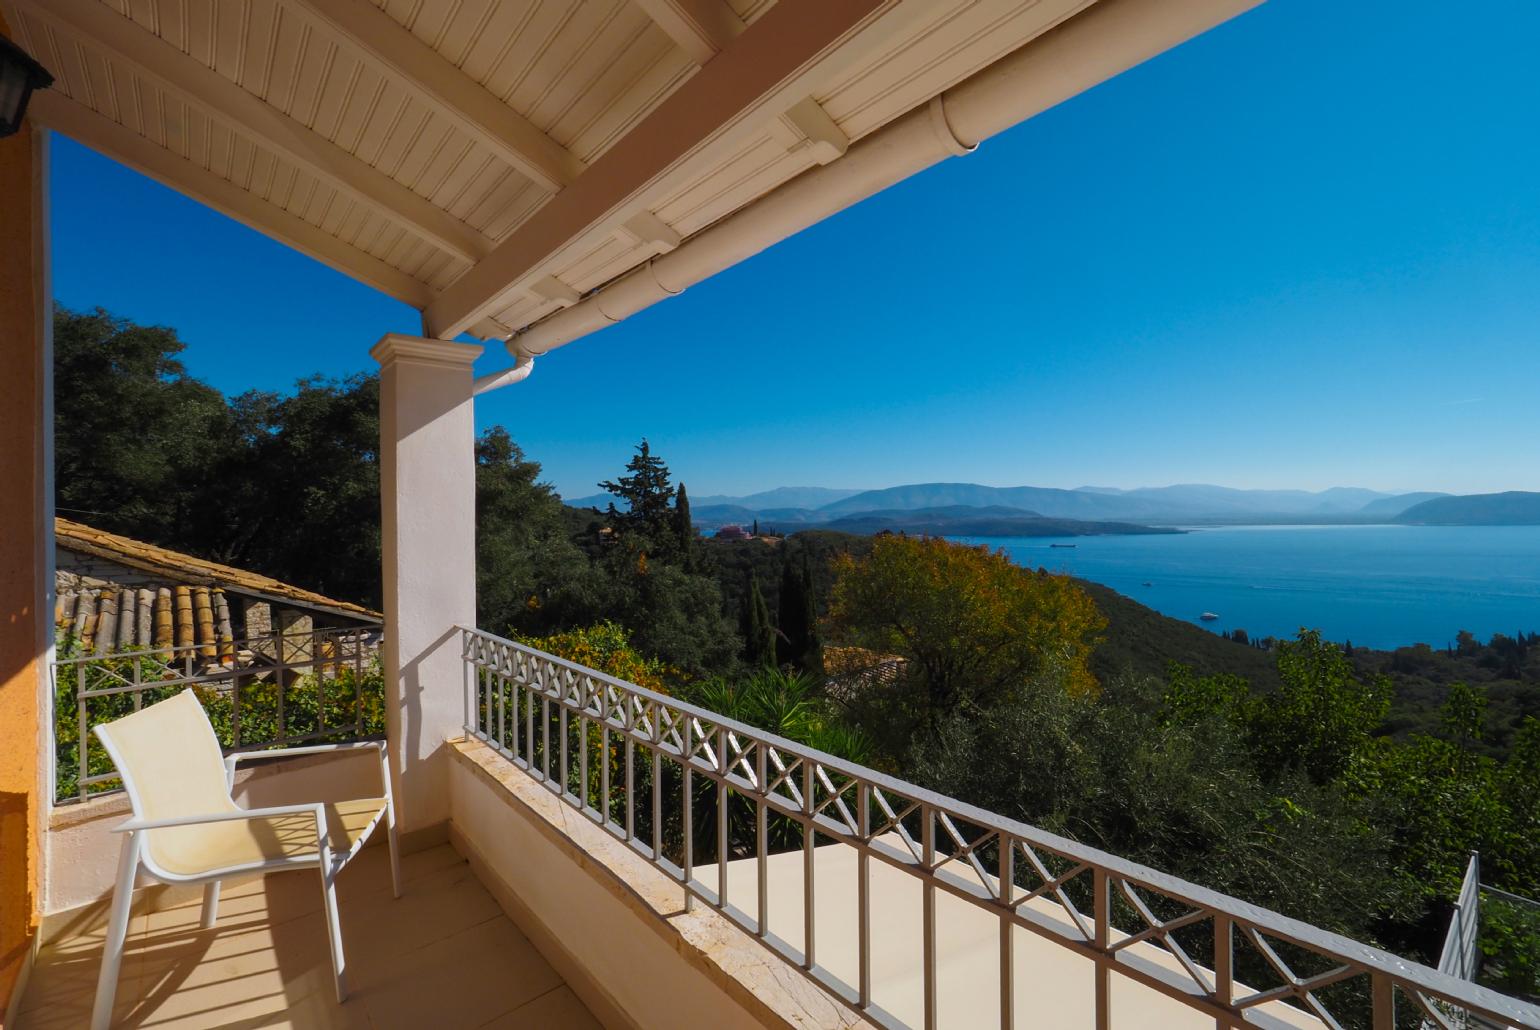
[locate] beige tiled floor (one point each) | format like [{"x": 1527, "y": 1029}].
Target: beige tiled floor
[{"x": 443, "y": 956}]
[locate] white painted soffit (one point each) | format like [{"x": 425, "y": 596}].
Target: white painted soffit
[{"x": 496, "y": 162}]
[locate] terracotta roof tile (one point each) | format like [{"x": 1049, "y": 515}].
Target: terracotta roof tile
[{"x": 185, "y": 568}]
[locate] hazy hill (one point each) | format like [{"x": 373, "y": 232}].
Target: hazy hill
[
  {"x": 1512, "y": 508},
  {"x": 1397, "y": 503},
  {"x": 1190, "y": 501},
  {"x": 1047, "y": 501},
  {"x": 1180, "y": 504},
  {"x": 961, "y": 520},
  {"x": 780, "y": 497}
]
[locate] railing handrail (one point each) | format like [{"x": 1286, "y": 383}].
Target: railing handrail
[{"x": 1365, "y": 958}]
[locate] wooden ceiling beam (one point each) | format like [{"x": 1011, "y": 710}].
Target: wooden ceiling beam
[
  {"x": 701, "y": 28},
  {"x": 125, "y": 146},
  {"x": 758, "y": 76},
  {"x": 393, "y": 48},
  {"x": 196, "y": 84}
]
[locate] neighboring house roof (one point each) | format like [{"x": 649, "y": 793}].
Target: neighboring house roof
[{"x": 184, "y": 568}]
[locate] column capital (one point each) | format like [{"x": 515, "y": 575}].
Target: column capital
[{"x": 394, "y": 347}]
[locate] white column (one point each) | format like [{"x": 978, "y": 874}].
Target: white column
[{"x": 428, "y": 524}]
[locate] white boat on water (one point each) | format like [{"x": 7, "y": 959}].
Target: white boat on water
[{"x": 1208, "y": 617}]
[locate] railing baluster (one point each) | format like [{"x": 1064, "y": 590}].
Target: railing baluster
[
  {"x": 545, "y": 732},
  {"x": 864, "y": 893},
  {"x": 761, "y": 832},
  {"x": 561, "y": 721},
  {"x": 83, "y": 756},
  {"x": 658, "y": 796},
  {"x": 1007, "y": 893},
  {"x": 1224, "y": 962},
  {"x": 630, "y": 789},
  {"x": 928, "y": 901},
  {"x": 723, "y": 796},
  {"x": 1102, "y": 887},
  {"x": 529, "y": 723},
  {"x": 1383, "y": 992},
  {"x": 809, "y": 836},
  {"x": 582, "y": 743},
  {"x": 604, "y": 772},
  {"x": 687, "y": 871},
  {"x": 502, "y": 706},
  {"x": 358, "y": 683}
]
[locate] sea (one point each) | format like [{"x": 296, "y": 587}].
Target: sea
[{"x": 1377, "y": 586}]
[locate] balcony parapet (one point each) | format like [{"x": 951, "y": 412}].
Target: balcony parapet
[
  {"x": 670, "y": 783},
  {"x": 611, "y": 923}
]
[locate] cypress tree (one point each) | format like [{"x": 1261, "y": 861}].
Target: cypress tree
[
  {"x": 684, "y": 529},
  {"x": 812, "y": 649},
  {"x": 758, "y": 631},
  {"x": 798, "y": 642}
]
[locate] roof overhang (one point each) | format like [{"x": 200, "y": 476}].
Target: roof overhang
[{"x": 495, "y": 162}]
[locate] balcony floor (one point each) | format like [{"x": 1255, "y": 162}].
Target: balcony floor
[{"x": 443, "y": 955}]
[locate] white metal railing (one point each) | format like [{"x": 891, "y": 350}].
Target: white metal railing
[
  {"x": 675, "y": 782},
  {"x": 92, "y": 688},
  {"x": 1458, "y": 957}
]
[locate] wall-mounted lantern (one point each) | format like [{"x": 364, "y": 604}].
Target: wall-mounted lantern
[{"x": 19, "y": 76}]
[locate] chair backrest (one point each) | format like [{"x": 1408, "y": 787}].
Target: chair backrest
[{"x": 169, "y": 759}]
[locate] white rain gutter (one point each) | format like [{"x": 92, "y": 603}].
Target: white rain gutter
[
  {"x": 493, "y": 380},
  {"x": 1091, "y": 47}
]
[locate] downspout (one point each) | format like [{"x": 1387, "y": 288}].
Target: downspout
[
  {"x": 494, "y": 380},
  {"x": 1108, "y": 38}
]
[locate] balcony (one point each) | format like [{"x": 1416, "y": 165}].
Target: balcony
[{"x": 583, "y": 884}]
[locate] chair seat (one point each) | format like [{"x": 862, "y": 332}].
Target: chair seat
[{"x": 194, "y": 850}]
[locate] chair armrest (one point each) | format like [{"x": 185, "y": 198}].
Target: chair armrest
[
  {"x": 310, "y": 749},
  {"x": 313, "y": 749},
  {"x": 316, "y": 809},
  {"x": 289, "y": 752}
]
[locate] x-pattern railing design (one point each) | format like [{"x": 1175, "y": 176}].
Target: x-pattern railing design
[{"x": 1129, "y": 920}]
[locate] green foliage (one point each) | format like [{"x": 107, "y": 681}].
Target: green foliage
[
  {"x": 530, "y": 576},
  {"x": 972, "y": 626},
  {"x": 759, "y": 638},
  {"x": 787, "y": 703},
  {"x": 1322, "y": 715},
  {"x": 1510, "y": 946},
  {"x": 607, "y": 647},
  {"x": 1116, "y": 771},
  {"x": 132, "y": 426},
  {"x": 797, "y": 640},
  {"x": 321, "y": 708},
  {"x": 684, "y": 527},
  {"x": 648, "y": 496}
]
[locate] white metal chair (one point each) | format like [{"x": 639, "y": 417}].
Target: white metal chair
[{"x": 188, "y": 829}]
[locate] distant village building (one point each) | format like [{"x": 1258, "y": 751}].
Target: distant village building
[
  {"x": 733, "y": 532},
  {"x": 115, "y": 593}
]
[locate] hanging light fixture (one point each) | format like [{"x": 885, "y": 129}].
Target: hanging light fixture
[{"x": 19, "y": 76}]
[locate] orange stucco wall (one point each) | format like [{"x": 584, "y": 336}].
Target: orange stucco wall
[{"x": 21, "y": 572}]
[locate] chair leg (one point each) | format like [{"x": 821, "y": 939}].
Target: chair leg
[
  {"x": 334, "y": 931},
  {"x": 210, "y": 905},
  {"x": 390, "y": 823},
  {"x": 395, "y": 849},
  {"x": 117, "y": 933}
]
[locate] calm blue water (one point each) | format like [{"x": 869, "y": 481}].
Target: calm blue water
[{"x": 1378, "y": 586}]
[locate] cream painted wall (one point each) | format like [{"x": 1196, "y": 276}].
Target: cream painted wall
[{"x": 649, "y": 981}]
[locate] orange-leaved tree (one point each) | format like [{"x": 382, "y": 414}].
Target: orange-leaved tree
[{"x": 973, "y": 627}]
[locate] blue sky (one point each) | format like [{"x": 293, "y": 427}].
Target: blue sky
[{"x": 1302, "y": 250}]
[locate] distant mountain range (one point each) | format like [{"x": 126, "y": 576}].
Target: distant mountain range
[
  {"x": 792, "y": 508},
  {"x": 1513, "y": 508}
]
